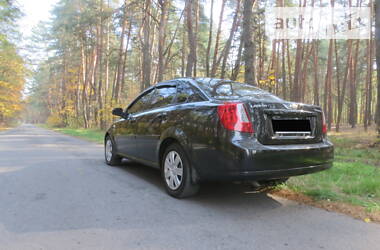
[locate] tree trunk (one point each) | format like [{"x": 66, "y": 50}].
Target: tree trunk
[
  {"x": 102, "y": 124},
  {"x": 236, "y": 69},
  {"x": 197, "y": 14},
  {"x": 377, "y": 40},
  {"x": 107, "y": 66},
  {"x": 370, "y": 115},
  {"x": 217, "y": 41},
  {"x": 227, "y": 47},
  {"x": 289, "y": 62},
  {"x": 316, "y": 72},
  {"x": 161, "y": 39},
  {"x": 297, "y": 71},
  {"x": 327, "y": 100},
  {"x": 147, "y": 57},
  {"x": 338, "y": 86},
  {"x": 122, "y": 84},
  {"x": 183, "y": 53},
  {"x": 342, "y": 95},
  {"x": 209, "y": 39},
  {"x": 304, "y": 67},
  {"x": 283, "y": 69},
  {"x": 353, "y": 112},
  {"x": 249, "y": 46},
  {"x": 368, "y": 86},
  {"x": 116, "y": 88},
  {"x": 191, "y": 37},
  {"x": 84, "y": 88}
]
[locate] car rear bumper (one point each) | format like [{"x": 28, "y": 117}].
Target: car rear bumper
[
  {"x": 275, "y": 174},
  {"x": 251, "y": 160}
]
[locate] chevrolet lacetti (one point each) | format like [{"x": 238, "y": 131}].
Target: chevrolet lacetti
[{"x": 203, "y": 129}]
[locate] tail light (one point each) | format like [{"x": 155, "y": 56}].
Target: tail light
[
  {"x": 324, "y": 125},
  {"x": 234, "y": 116}
]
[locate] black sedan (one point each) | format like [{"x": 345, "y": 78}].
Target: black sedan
[{"x": 202, "y": 129}]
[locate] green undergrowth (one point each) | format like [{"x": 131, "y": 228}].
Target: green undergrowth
[
  {"x": 94, "y": 135},
  {"x": 354, "y": 177}
]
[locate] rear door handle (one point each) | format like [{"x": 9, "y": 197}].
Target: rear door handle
[
  {"x": 164, "y": 116},
  {"x": 160, "y": 117},
  {"x": 132, "y": 119}
]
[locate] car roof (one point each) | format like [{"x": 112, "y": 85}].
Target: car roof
[
  {"x": 166, "y": 83},
  {"x": 203, "y": 83},
  {"x": 191, "y": 80}
]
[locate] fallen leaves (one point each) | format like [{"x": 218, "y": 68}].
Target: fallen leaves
[{"x": 332, "y": 206}]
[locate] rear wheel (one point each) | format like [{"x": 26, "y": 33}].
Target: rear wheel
[
  {"x": 176, "y": 173},
  {"x": 110, "y": 155}
]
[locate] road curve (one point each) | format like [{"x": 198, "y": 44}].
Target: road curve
[{"x": 57, "y": 193}]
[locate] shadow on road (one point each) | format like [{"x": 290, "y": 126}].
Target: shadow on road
[{"x": 212, "y": 194}]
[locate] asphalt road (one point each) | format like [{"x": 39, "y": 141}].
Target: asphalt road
[{"x": 56, "y": 192}]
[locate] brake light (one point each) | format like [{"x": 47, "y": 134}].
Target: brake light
[
  {"x": 324, "y": 125},
  {"x": 234, "y": 116}
]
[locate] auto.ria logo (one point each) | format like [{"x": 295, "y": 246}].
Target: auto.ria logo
[{"x": 318, "y": 23}]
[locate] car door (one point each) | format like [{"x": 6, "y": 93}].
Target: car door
[
  {"x": 152, "y": 122},
  {"x": 127, "y": 128}
]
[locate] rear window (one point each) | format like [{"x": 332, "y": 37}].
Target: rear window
[{"x": 222, "y": 89}]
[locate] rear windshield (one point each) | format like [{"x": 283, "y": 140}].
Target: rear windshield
[{"x": 223, "y": 89}]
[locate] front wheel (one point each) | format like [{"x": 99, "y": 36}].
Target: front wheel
[
  {"x": 176, "y": 172},
  {"x": 110, "y": 155}
]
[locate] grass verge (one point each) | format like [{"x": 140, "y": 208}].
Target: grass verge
[
  {"x": 94, "y": 135},
  {"x": 352, "y": 182},
  {"x": 352, "y": 185}
]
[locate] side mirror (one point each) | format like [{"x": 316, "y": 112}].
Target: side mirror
[{"x": 118, "y": 112}]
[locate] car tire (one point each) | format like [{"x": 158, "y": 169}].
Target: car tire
[
  {"x": 176, "y": 173},
  {"x": 110, "y": 155}
]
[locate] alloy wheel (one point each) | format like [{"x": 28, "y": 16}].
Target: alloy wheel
[
  {"x": 108, "y": 150},
  {"x": 173, "y": 170}
]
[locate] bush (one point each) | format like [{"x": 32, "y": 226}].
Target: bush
[{"x": 55, "y": 121}]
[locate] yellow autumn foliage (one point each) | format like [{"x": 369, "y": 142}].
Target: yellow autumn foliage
[
  {"x": 54, "y": 120},
  {"x": 12, "y": 80}
]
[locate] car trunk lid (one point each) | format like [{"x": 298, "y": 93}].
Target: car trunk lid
[{"x": 286, "y": 123}]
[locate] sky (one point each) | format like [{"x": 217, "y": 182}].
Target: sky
[
  {"x": 39, "y": 10},
  {"x": 34, "y": 12}
]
